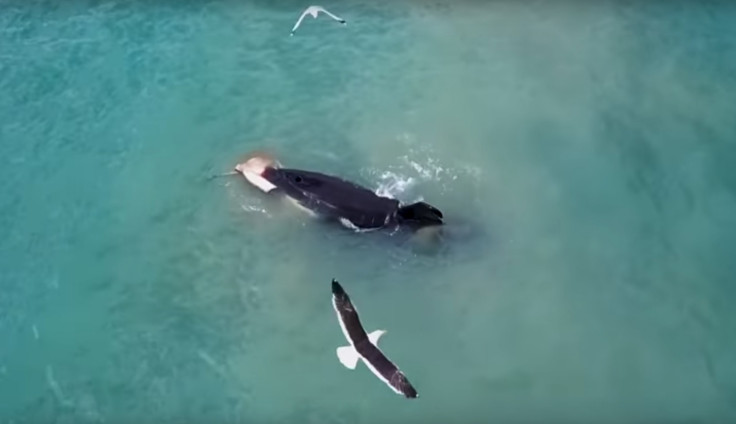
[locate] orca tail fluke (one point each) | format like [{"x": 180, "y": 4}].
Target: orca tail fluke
[{"x": 421, "y": 213}]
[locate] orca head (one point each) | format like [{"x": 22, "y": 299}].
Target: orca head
[
  {"x": 296, "y": 184},
  {"x": 267, "y": 174},
  {"x": 254, "y": 168}
]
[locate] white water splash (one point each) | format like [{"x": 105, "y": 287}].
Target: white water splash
[
  {"x": 420, "y": 165},
  {"x": 254, "y": 208},
  {"x": 398, "y": 181},
  {"x": 430, "y": 169},
  {"x": 247, "y": 203},
  {"x": 394, "y": 185}
]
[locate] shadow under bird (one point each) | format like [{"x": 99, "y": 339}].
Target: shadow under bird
[{"x": 365, "y": 346}]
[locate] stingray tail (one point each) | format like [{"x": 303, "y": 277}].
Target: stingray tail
[{"x": 420, "y": 213}]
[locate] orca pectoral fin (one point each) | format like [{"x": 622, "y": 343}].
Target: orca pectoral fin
[
  {"x": 348, "y": 356},
  {"x": 258, "y": 181},
  {"x": 375, "y": 335}
]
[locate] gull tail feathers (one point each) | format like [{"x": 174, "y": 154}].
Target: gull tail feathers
[
  {"x": 375, "y": 335},
  {"x": 348, "y": 356}
]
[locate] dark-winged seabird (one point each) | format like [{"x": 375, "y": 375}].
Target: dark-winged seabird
[{"x": 365, "y": 346}]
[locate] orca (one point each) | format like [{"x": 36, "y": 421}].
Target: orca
[
  {"x": 365, "y": 346},
  {"x": 354, "y": 206}
]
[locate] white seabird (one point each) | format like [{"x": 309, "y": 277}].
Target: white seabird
[{"x": 314, "y": 11}]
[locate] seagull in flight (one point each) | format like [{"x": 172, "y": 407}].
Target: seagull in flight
[{"x": 314, "y": 10}]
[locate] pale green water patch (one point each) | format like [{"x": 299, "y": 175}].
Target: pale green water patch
[{"x": 589, "y": 147}]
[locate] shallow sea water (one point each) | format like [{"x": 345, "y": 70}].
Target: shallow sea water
[{"x": 586, "y": 149}]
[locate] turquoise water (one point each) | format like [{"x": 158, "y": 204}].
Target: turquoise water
[{"x": 589, "y": 146}]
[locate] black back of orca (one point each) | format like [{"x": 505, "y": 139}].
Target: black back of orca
[{"x": 334, "y": 197}]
